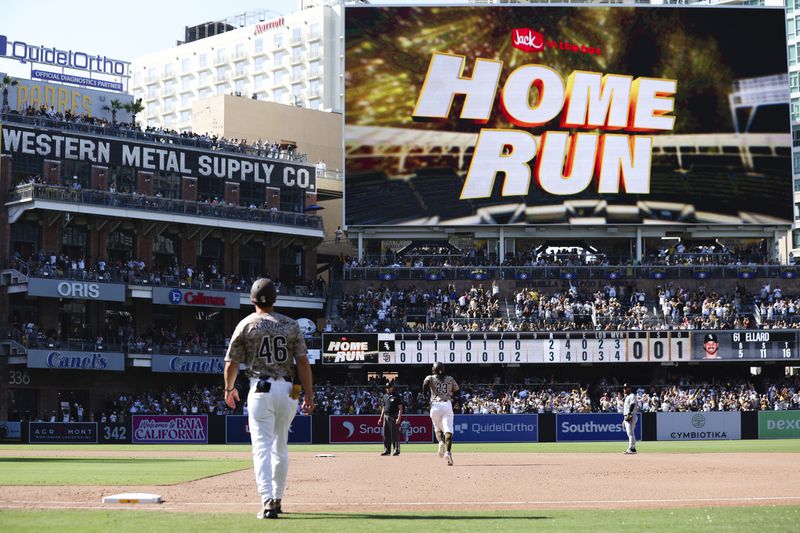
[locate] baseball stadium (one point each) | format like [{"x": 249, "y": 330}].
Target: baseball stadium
[{"x": 553, "y": 286}]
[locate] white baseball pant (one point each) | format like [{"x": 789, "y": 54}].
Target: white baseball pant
[
  {"x": 270, "y": 414},
  {"x": 630, "y": 429},
  {"x": 442, "y": 416}
]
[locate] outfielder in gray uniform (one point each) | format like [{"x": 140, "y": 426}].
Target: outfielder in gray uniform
[
  {"x": 629, "y": 410},
  {"x": 441, "y": 389},
  {"x": 273, "y": 348}
]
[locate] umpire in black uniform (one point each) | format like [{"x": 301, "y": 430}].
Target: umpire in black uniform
[{"x": 391, "y": 413}]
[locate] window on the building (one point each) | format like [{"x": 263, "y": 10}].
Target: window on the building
[
  {"x": 166, "y": 184},
  {"x": 240, "y": 53},
  {"x": 258, "y": 46},
  {"x": 121, "y": 246},
  {"x": 186, "y": 116},
  {"x": 795, "y": 109},
  {"x": 166, "y": 250},
  {"x": 792, "y": 54},
  {"x": 794, "y": 81},
  {"x": 186, "y": 83},
  {"x": 74, "y": 240},
  {"x": 210, "y": 251},
  {"x": 278, "y": 39},
  {"x": 186, "y": 100},
  {"x": 258, "y": 65},
  {"x": 202, "y": 60},
  {"x": 790, "y": 27}
]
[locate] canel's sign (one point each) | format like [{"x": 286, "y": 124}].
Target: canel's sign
[{"x": 56, "y": 57}]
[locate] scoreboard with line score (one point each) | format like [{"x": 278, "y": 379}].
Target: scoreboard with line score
[{"x": 525, "y": 347}]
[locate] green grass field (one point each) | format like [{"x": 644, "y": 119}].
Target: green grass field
[
  {"x": 746, "y": 519},
  {"x": 719, "y": 446},
  {"x": 111, "y": 471},
  {"x": 41, "y": 468}
]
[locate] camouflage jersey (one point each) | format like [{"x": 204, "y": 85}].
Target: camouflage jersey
[
  {"x": 269, "y": 344},
  {"x": 442, "y": 388}
]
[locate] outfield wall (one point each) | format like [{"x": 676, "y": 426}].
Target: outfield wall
[{"x": 364, "y": 429}]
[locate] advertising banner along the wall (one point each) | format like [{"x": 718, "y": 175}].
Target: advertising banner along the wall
[
  {"x": 466, "y": 115},
  {"x": 496, "y": 428},
  {"x": 237, "y": 430},
  {"x": 169, "y": 158},
  {"x": 72, "y": 360},
  {"x": 593, "y": 427},
  {"x": 169, "y": 429},
  {"x": 62, "y": 432},
  {"x": 699, "y": 426},
  {"x": 78, "y": 290},
  {"x": 779, "y": 424},
  {"x": 355, "y": 429}
]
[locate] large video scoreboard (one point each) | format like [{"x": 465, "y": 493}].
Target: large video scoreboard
[{"x": 558, "y": 347}]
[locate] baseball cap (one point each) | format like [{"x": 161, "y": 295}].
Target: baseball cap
[
  {"x": 263, "y": 292},
  {"x": 389, "y": 384},
  {"x": 626, "y": 385},
  {"x": 710, "y": 337}
]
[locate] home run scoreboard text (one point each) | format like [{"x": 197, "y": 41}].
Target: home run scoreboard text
[{"x": 553, "y": 347}]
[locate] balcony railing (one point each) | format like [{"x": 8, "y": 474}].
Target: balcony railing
[
  {"x": 123, "y": 131},
  {"x": 53, "y": 193},
  {"x": 532, "y": 274}
]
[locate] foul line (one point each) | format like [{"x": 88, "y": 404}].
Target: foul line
[{"x": 425, "y": 504}]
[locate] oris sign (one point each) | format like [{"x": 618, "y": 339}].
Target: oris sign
[
  {"x": 77, "y": 290},
  {"x": 195, "y": 297},
  {"x": 70, "y": 360}
]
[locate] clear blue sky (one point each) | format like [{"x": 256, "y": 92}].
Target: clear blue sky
[{"x": 118, "y": 29}]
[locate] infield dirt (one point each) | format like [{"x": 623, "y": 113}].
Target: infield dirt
[{"x": 366, "y": 481}]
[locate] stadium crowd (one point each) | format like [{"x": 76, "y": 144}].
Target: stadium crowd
[
  {"x": 135, "y": 271},
  {"x": 533, "y": 396},
  {"x": 45, "y": 116},
  {"x": 612, "y": 307}
]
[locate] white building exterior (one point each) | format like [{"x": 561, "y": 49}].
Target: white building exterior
[{"x": 295, "y": 59}]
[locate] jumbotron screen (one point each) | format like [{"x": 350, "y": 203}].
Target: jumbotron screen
[{"x": 468, "y": 115}]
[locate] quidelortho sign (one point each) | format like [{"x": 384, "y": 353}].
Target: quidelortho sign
[
  {"x": 779, "y": 424},
  {"x": 195, "y": 297},
  {"x": 186, "y": 161},
  {"x": 71, "y": 360},
  {"x": 593, "y": 427},
  {"x": 56, "y": 57},
  {"x": 713, "y": 425},
  {"x": 496, "y": 428},
  {"x": 77, "y": 290},
  {"x": 187, "y": 364}
]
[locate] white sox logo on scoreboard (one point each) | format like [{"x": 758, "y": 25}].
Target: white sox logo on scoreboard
[{"x": 539, "y": 347}]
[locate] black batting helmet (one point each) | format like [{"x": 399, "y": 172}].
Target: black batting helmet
[{"x": 438, "y": 368}]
